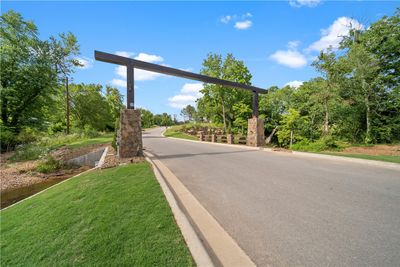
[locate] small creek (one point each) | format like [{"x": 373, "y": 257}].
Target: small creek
[
  {"x": 86, "y": 161},
  {"x": 14, "y": 195}
]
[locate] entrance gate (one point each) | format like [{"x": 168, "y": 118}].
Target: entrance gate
[{"x": 130, "y": 130}]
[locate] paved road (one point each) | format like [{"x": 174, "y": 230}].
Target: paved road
[{"x": 285, "y": 210}]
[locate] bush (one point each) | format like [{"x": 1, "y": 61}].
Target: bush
[
  {"x": 90, "y": 132},
  {"x": 7, "y": 139},
  {"x": 325, "y": 143},
  {"x": 28, "y": 135},
  {"x": 28, "y": 152},
  {"x": 48, "y": 165}
]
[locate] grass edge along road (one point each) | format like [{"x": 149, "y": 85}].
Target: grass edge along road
[
  {"x": 109, "y": 217},
  {"x": 174, "y": 131}
]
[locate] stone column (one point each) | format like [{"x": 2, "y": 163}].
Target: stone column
[
  {"x": 130, "y": 141},
  {"x": 255, "y": 132},
  {"x": 229, "y": 138},
  {"x": 213, "y": 138}
]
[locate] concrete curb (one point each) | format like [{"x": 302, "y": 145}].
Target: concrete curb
[
  {"x": 193, "y": 242},
  {"x": 376, "y": 163},
  {"x": 348, "y": 159},
  {"x": 101, "y": 162},
  {"x": 222, "y": 248}
]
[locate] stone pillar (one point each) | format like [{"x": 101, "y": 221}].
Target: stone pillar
[
  {"x": 213, "y": 138},
  {"x": 130, "y": 141},
  {"x": 255, "y": 132},
  {"x": 229, "y": 138}
]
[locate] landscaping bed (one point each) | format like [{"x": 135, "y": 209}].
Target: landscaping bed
[{"x": 108, "y": 217}]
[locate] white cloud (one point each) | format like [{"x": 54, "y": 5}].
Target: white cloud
[
  {"x": 85, "y": 62},
  {"x": 226, "y": 19},
  {"x": 124, "y": 53},
  {"x": 294, "y": 84},
  {"x": 139, "y": 75},
  {"x": 118, "y": 82},
  {"x": 242, "y": 22},
  {"x": 189, "y": 93},
  {"x": 291, "y": 57},
  {"x": 308, "y": 3},
  {"x": 332, "y": 36},
  {"x": 149, "y": 58},
  {"x": 243, "y": 25}
]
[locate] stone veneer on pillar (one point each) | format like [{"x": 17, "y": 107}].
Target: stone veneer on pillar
[
  {"x": 255, "y": 132},
  {"x": 130, "y": 139}
]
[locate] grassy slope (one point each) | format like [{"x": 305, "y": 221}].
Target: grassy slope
[
  {"x": 172, "y": 133},
  {"x": 97, "y": 140},
  {"x": 395, "y": 159},
  {"x": 114, "y": 217}
]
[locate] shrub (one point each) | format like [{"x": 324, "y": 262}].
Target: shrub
[
  {"x": 325, "y": 143},
  {"x": 7, "y": 139},
  {"x": 48, "y": 165},
  {"x": 90, "y": 132},
  {"x": 28, "y": 152},
  {"x": 28, "y": 135}
]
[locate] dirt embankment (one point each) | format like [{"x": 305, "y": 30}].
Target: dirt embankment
[
  {"x": 23, "y": 174},
  {"x": 386, "y": 150}
]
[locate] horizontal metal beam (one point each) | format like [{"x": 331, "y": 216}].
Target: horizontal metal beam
[{"x": 119, "y": 60}]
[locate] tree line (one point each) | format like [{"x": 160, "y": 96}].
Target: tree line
[
  {"x": 356, "y": 98},
  {"x": 35, "y": 96}
]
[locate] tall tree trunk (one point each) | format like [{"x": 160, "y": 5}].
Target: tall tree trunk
[
  {"x": 368, "y": 120},
  {"x": 326, "y": 119},
  {"x": 223, "y": 115},
  {"x": 67, "y": 115}
]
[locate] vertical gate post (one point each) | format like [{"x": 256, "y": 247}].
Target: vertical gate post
[
  {"x": 255, "y": 126},
  {"x": 130, "y": 140}
]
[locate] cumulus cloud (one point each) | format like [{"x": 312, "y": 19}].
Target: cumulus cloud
[
  {"x": 139, "y": 75},
  {"x": 290, "y": 57},
  {"x": 188, "y": 95},
  {"x": 308, "y": 3},
  {"x": 332, "y": 36},
  {"x": 226, "y": 19},
  {"x": 124, "y": 53},
  {"x": 85, "y": 62},
  {"x": 243, "y": 25},
  {"x": 241, "y": 22},
  {"x": 294, "y": 84}
]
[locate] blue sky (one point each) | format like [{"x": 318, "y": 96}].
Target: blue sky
[{"x": 277, "y": 40}]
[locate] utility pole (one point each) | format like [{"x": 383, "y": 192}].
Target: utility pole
[{"x": 67, "y": 113}]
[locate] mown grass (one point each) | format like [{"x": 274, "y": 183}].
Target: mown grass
[
  {"x": 114, "y": 217},
  {"x": 107, "y": 138},
  {"x": 387, "y": 158},
  {"x": 173, "y": 133}
]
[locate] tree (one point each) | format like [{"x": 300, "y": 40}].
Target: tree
[
  {"x": 217, "y": 101},
  {"x": 188, "y": 112},
  {"x": 29, "y": 73},
  {"x": 147, "y": 118},
  {"x": 291, "y": 126}
]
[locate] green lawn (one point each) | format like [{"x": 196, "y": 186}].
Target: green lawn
[
  {"x": 104, "y": 139},
  {"x": 395, "y": 159},
  {"x": 172, "y": 133},
  {"x": 113, "y": 217}
]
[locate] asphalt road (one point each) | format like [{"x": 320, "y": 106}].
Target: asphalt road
[{"x": 286, "y": 210}]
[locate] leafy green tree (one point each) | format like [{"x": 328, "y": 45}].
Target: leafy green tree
[
  {"x": 242, "y": 112},
  {"x": 291, "y": 127},
  {"x": 90, "y": 107},
  {"x": 217, "y": 101},
  {"x": 147, "y": 118},
  {"x": 189, "y": 112}
]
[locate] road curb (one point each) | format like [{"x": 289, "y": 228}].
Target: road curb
[
  {"x": 305, "y": 154},
  {"x": 348, "y": 159},
  {"x": 221, "y": 247},
  {"x": 193, "y": 242}
]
